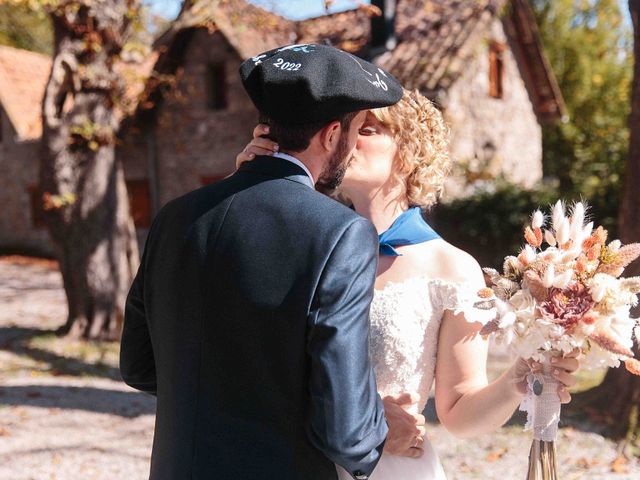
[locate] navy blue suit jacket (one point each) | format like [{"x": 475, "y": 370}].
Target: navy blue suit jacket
[{"x": 248, "y": 318}]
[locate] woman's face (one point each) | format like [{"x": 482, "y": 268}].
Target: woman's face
[{"x": 372, "y": 163}]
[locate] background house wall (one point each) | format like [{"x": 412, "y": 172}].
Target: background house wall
[
  {"x": 196, "y": 143},
  {"x": 20, "y": 226},
  {"x": 492, "y": 136}
]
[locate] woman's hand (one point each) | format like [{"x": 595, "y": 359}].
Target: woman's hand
[
  {"x": 257, "y": 146},
  {"x": 563, "y": 371}
]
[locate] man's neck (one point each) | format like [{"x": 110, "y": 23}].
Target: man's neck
[{"x": 310, "y": 161}]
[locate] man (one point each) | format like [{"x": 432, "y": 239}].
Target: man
[{"x": 248, "y": 317}]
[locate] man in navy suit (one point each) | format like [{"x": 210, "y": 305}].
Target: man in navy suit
[{"x": 248, "y": 317}]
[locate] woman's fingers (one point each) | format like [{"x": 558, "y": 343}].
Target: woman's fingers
[
  {"x": 265, "y": 144},
  {"x": 564, "y": 377},
  {"x": 565, "y": 396},
  {"x": 570, "y": 364},
  {"x": 415, "y": 452},
  {"x": 261, "y": 129}
]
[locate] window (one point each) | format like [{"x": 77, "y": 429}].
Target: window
[
  {"x": 216, "y": 87},
  {"x": 496, "y": 69},
  {"x": 140, "y": 202},
  {"x": 207, "y": 179},
  {"x": 35, "y": 200}
]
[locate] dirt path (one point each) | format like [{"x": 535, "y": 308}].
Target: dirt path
[{"x": 64, "y": 415}]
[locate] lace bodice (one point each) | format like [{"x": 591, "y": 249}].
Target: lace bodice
[{"x": 405, "y": 321}]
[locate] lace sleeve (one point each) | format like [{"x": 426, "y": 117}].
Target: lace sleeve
[{"x": 463, "y": 298}]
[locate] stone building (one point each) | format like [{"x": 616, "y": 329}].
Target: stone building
[
  {"x": 481, "y": 61},
  {"x": 23, "y": 76}
]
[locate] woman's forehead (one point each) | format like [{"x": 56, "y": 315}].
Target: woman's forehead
[{"x": 371, "y": 118}]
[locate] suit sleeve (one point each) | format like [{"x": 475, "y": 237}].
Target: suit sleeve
[
  {"x": 347, "y": 422},
  {"x": 137, "y": 363}
]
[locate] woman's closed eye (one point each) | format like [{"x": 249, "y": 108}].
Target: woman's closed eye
[{"x": 367, "y": 131}]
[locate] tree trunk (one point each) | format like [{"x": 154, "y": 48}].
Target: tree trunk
[
  {"x": 619, "y": 393},
  {"x": 84, "y": 193}
]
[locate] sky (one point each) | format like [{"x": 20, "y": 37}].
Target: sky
[{"x": 293, "y": 9}]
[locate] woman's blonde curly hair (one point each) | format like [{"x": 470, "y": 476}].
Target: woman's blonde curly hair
[{"x": 422, "y": 137}]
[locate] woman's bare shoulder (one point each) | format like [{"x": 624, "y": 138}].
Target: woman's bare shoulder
[{"x": 449, "y": 263}]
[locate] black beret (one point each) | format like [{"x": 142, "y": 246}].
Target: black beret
[{"x": 307, "y": 83}]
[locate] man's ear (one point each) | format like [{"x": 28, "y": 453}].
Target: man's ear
[{"x": 329, "y": 136}]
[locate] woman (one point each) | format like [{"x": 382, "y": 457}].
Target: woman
[{"x": 422, "y": 315}]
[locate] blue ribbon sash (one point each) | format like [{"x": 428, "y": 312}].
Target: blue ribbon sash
[{"x": 408, "y": 229}]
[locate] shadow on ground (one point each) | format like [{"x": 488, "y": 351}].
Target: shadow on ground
[
  {"x": 16, "y": 340},
  {"x": 91, "y": 399}
]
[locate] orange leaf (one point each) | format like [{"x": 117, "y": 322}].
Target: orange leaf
[
  {"x": 619, "y": 465},
  {"x": 496, "y": 455}
]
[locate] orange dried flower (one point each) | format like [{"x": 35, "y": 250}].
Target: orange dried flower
[
  {"x": 594, "y": 252},
  {"x": 589, "y": 318},
  {"x": 533, "y": 236},
  {"x": 566, "y": 246},
  {"x": 581, "y": 264},
  {"x": 485, "y": 293},
  {"x": 600, "y": 235},
  {"x": 523, "y": 259},
  {"x": 633, "y": 366}
]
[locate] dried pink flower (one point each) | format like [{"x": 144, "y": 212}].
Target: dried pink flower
[{"x": 567, "y": 306}]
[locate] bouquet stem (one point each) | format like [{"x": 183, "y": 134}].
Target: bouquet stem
[
  {"x": 543, "y": 408},
  {"x": 542, "y": 461}
]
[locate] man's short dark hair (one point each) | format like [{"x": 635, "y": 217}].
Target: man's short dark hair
[{"x": 296, "y": 138}]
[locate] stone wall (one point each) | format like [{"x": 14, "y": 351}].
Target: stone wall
[
  {"x": 194, "y": 142},
  {"x": 19, "y": 230},
  {"x": 492, "y": 136}
]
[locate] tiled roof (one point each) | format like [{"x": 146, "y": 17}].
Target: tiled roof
[
  {"x": 23, "y": 79},
  {"x": 348, "y": 30},
  {"x": 249, "y": 29},
  {"x": 435, "y": 38}
]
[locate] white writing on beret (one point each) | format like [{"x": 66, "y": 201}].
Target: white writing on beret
[
  {"x": 378, "y": 82},
  {"x": 302, "y": 47},
  {"x": 282, "y": 65},
  {"x": 257, "y": 60}
]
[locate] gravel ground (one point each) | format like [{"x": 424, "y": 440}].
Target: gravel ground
[{"x": 65, "y": 416}]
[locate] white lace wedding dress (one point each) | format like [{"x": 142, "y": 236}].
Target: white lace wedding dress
[{"x": 405, "y": 319}]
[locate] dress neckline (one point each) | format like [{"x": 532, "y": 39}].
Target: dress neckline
[{"x": 391, "y": 284}]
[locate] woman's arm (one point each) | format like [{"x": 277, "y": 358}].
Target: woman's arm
[{"x": 466, "y": 403}]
